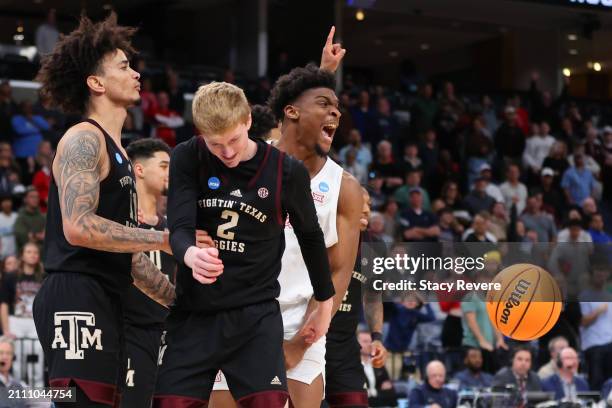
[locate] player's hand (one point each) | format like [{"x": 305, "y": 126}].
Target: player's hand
[
  {"x": 203, "y": 240},
  {"x": 501, "y": 344},
  {"x": 294, "y": 350},
  {"x": 204, "y": 263},
  {"x": 378, "y": 354},
  {"x": 332, "y": 53},
  {"x": 318, "y": 322},
  {"x": 602, "y": 308}
]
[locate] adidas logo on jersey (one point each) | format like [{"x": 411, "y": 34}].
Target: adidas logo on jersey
[
  {"x": 236, "y": 193},
  {"x": 275, "y": 381}
]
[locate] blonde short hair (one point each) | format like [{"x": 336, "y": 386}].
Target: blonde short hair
[{"x": 219, "y": 106}]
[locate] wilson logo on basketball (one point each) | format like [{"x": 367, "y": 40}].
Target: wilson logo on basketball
[{"x": 515, "y": 299}]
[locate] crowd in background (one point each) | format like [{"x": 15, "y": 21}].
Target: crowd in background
[{"x": 439, "y": 167}]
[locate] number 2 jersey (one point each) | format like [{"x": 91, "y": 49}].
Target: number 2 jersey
[{"x": 244, "y": 210}]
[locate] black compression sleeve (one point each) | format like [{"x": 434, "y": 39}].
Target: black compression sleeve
[
  {"x": 303, "y": 218},
  {"x": 182, "y": 199}
]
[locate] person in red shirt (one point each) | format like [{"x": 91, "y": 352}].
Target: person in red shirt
[{"x": 166, "y": 120}]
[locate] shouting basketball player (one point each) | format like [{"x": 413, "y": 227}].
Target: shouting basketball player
[{"x": 226, "y": 315}]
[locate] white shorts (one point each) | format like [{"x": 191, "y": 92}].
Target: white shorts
[{"x": 313, "y": 363}]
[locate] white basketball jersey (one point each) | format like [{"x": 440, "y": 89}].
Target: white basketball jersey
[{"x": 294, "y": 280}]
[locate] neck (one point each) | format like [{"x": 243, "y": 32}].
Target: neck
[
  {"x": 110, "y": 117},
  {"x": 567, "y": 376},
  {"x": 28, "y": 269},
  {"x": 147, "y": 201},
  {"x": 290, "y": 143}
]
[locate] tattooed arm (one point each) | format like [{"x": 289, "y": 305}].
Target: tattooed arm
[
  {"x": 150, "y": 280},
  {"x": 78, "y": 167}
]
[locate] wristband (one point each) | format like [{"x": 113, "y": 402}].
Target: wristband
[{"x": 376, "y": 336}]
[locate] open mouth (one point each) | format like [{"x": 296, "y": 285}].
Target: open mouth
[{"x": 328, "y": 130}]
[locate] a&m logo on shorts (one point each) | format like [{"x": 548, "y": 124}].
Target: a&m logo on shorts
[{"x": 80, "y": 337}]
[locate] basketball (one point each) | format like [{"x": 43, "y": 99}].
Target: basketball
[{"x": 528, "y": 304}]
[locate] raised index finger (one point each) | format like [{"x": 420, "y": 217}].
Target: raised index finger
[{"x": 330, "y": 36}]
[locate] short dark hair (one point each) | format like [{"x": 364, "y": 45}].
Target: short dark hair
[
  {"x": 468, "y": 349},
  {"x": 263, "y": 121},
  {"x": 76, "y": 56},
  {"x": 146, "y": 148},
  {"x": 291, "y": 86},
  {"x": 521, "y": 347}
]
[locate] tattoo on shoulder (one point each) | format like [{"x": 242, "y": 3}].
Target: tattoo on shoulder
[{"x": 79, "y": 175}]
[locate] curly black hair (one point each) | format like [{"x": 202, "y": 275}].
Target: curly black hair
[
  {"x": 77, "y": 55},
  {"x": 289, "y": 87},
  {"x": 263, "y": 122}
]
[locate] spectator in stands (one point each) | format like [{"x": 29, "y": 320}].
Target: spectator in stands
[
  {"x": 492, "y": 189},
  {"x": 175, "y": 93},
  {"x": 376, "y": 228},
  {"x": 450, "y": 229},
  {"x": 519, "y": 375},
  {"x": 538, "y": 221},
  {"x": 379, "y": 383},
  {"x": 555, "y": 345},
  {"x": 364, "y": 118},
  {"x": 597, "y": 231},
  {"x": 499, "y": 222},
  {"x": 41, "y": 178},
  {"x": 354, "y": 168},
  {"x": 596, "y": 330},
  {"x": 423, "y": 110},
  {"x": 543, "y": 106},
  {"x": 429, "y": 153},
  {"x": 30, "y": 222},
  {"x": 390, "y": 213},
  {"x": 472, "y": 377},
  {"x": 364, "y": 155},
  {"x": 416, "y": 223},
  {"x": 28, "y": 129},
  {"x": 17, "y": 297},
  {"x": 148, "y": 100},
  {"x": 386, "y": 125},
  {"x": 478, "y": 331},
  {"x": 557, "y": 160},
  {"x": 475, "y": 138},
  {"x": 451, "y": 196},
  {"x": 385, "y": 165},
  {"x": 8, "y": 108},
  {"x": 374, "y": 187},
  {"x": 489, "y": 115},
  {"x": 47, "y": 34},
  {"x": 573, "y": 231},
  {"x": 553, "y": 200},
  {"x": 566, "y": 383},
  {"x": 478, "y": 200},
  {"x": 578, "y": 181},
  {"x": 410, "y": 159},
  {"x": 166, "y": 120},
  {"x": 479, "y": 232},
  {"x": 10, "y": 264},
  {"x": 568, "y": 134},
  {"x": 589, "y": 162},
  {"x": 413, "y": 180},
  {"x": 403, "y": 319},
  {"x": 7, "y": 223},
  {"x": 593, "y": 146},
  {"x": 513, "y": 191},
  {"x": 7, "y": 380},
  {"x": 509, "y": 138},
  {"x": 537, "y": 148},
  {"x": 522, "y": 116},
  {"x": 432, "y": 393}
]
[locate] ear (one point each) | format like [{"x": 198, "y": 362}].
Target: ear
[
  {"x": 291, "y": 112},
  {"x": 138, "y": 170},
  {"x": 94, "y": 83}
]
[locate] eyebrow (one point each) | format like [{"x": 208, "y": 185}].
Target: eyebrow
[
  {"x": 124, "y": 62},
  {"x": 334, "y": 101}
]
